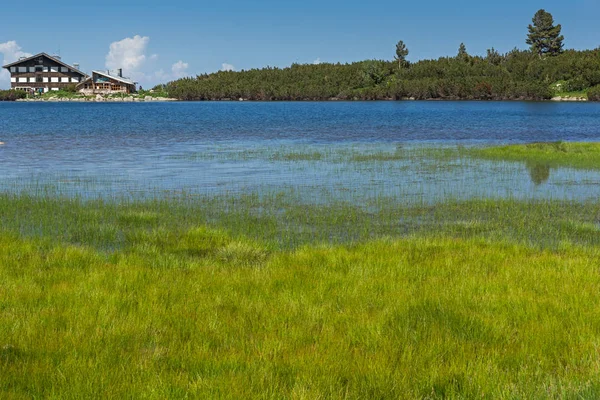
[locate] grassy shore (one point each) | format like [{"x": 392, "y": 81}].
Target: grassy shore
[
  {"x": 267, "y": 296},
  {"x": 249, "y": 297}
]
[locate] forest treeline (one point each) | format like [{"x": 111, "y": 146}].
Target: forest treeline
[
  {"x": 543, "y": 71},
  {"x": 512, "y": 76}
]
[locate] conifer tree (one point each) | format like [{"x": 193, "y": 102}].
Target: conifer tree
[
  {"x": 544, "y": 37},
  {"x": 462, "y": 53},
  {"x": 401, "y": 53}
]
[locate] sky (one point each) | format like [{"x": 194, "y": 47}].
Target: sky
[{"x": 159, "y": 41}]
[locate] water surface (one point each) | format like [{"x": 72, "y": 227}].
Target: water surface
[{"x": 229, "y": 147}]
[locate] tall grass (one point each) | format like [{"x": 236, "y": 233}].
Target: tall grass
[{"x": 200, "y": 314}]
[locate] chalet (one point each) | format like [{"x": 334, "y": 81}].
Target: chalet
[
  {"x": 105, "y": 83},
  {"x": 43, "y": 73}
]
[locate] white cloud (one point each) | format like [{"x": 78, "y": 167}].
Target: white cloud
[
  {"x": 227, "y": 67},
  {"x": 179, "y": 69},
  {"x": 11, "y": 52},
  {"x": 317, "y": 61},
  {"x": 129, "y": 54}
]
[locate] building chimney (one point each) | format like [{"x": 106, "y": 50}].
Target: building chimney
[
  {"x": 120, "y": 72},
  {"x": 76, "y": 66},
  {"x": 56, "y": 56}
]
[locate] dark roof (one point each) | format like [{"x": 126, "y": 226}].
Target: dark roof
[{"x": 47, "y": 56}]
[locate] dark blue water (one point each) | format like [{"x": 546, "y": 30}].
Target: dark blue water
[
  {"x": 228, "y": 147},
  {"x": 309, "y": 122}
]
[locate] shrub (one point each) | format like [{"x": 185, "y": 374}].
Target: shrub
[
  {"x": 576, "y": 84},
  {"x": 594, "y": 93},
  {"x": 12, "y": 95},
  {"x": 72, "y": 88}
]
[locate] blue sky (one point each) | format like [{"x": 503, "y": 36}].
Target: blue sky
[{"x": 157, "y": 41}]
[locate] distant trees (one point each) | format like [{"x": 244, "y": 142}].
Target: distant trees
[
  {"x": 494, "y": 57},
  {"x": 516, "y": 75},
  {"x": 544, "y": 37},
  {"x": 375, "y": 72},
  {"x": 401, "y": 53}
]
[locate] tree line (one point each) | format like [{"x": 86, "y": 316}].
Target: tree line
[{"x": 542, "y": 71}]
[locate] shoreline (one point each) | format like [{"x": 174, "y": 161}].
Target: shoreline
[{"x": 146, "y": 99}]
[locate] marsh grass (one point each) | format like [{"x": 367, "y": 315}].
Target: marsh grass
[
  {"x": 282, "y": 221},
  {"x": 557, "y": 154}
]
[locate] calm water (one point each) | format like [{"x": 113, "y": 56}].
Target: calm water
[{"x": 112, "y": 149}]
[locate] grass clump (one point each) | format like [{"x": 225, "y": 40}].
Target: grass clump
[{"x": 558, "y": 154}]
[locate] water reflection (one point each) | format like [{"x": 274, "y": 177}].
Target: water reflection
[{"x": 539, "y": 173}]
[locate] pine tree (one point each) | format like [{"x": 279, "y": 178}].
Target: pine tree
[
  {"x": 401, "y": 53},
  {"x": 544, "y": 37},
  {"x": 494, "y": 57},
  {"x": 462, "y": 53}
]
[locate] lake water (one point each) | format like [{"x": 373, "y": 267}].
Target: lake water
[{"x": 108, "y": 149}]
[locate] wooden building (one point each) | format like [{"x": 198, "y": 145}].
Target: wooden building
[
  {"x": 105, "y": 83},
  {"x": 43, "y": 73}
]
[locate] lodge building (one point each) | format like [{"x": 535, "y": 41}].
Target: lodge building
[
  {"x": 106, "y": 83},
  {"x": 42, "y": 73}
]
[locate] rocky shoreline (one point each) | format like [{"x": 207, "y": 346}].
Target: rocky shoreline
[
  {"x": 100, "y": 99},
  {"x": 564, "y": 98}
]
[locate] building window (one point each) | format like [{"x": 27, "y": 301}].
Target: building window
[
  {"x": 39, "y": 79},
  {"x": 13, "y": 69}
]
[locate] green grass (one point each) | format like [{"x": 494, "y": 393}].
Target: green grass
[
  {"x": 198, "y": 313},
  {"x": 558, "y": 154},
  {"x": 578, "y": 94}
]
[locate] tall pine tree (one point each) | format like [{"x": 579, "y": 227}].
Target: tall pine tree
[
  {"x": 401, "y": 53},
  {"x": 544, "y": 37},
  {"x": 463, "y": 55}
]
